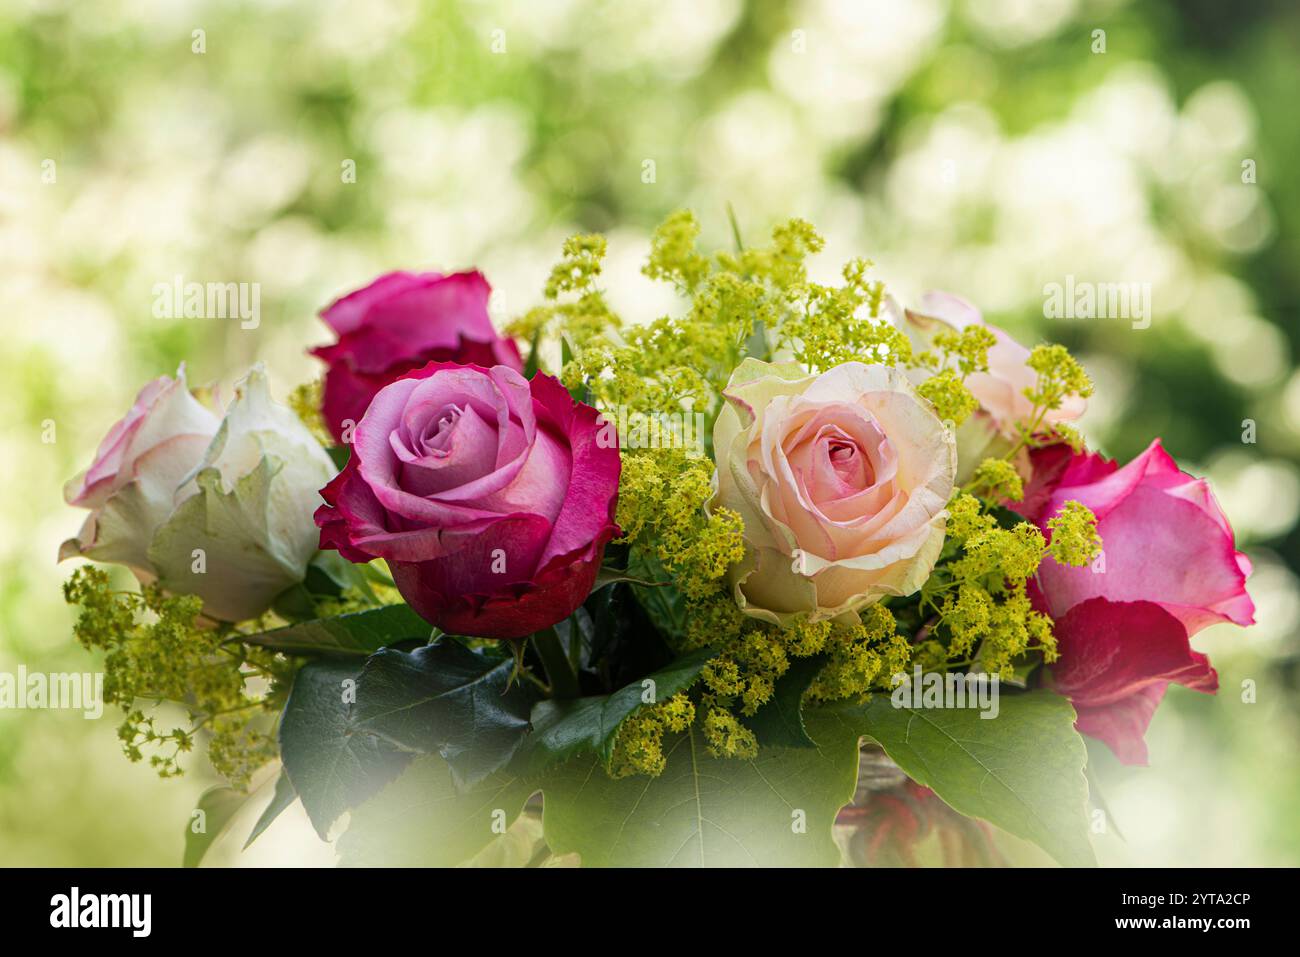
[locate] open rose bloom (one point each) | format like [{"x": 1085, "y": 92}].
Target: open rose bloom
[
  {"x": 489, "y": 496},
  {"x": 206, "y": 505},
  {"x": 1168, "y": 568},
  {"x": 841, "y": 480}
]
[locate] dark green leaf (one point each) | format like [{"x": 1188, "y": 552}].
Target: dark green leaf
[
  {"x": 445, "y": 699},
  {"x": 295, "y": 604},
  {"x": 612, "y": 576},
  {"x": 577, "y": 637},
  {"x": 625, "y": 644},
  {"x": 284, "y": 796},
  {"x": 339, "y": 454},
  {"x": 331, "y": 764},
  {"x": 530, "y": 366},
  {"x": 663, "y": 603},
  {"x": 355, "y": 634},
  {"x": 780, "y": 722},
  {"x": 562, "y": 729},
  {"x": 329, "y": 574},
  {"x": 217, "y": 806},
  {"x": 1022, "y": 770}
]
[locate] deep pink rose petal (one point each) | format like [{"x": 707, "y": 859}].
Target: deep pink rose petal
[
  {"x": 347, "y": 313},
  {"x": 400, "y": 322},
  {"x": 586, "y": 518},
  {"x": 1111, "y": 655},
  {"x": 1165, "y": 538},
  {"x": 1122, "y": 726},
  {"x": 1161, "y": 548}
]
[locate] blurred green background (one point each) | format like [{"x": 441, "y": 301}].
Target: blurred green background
[{"x": 987, "y": 147}]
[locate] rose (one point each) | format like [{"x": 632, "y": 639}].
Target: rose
[
  {"x": 489, "y": 496},
  {"x": 841, "y": 480},
  {"x": 1000, "y": 390},
  {"x": 209, "y": 506},
  {"x": 1169, "y": 567},
  {"x": 400, "y": 322},
  {"x": 992, "y": 429}
]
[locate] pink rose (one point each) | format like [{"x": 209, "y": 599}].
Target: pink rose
[
  {"x": 488, "y": 495},
  {"x": 398, "y": 323},
  {"x": 1169, "y": 567}
]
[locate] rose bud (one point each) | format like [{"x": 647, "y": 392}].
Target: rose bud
[
  {"x": 841, "y": 479},
  {"x": 214, "y": 507},
  {"x": 1168, "y": 568},
  {"x": 398, "y": 323},
  {"x": 489, "y": 496}
]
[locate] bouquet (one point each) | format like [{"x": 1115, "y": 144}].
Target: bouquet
[{"x": 794, "y": 576}]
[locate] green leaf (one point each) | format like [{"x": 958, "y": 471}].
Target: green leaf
[
  {"x": 295, "y": 604},
  {"x": 776, "y": 810},
  {"x": 422, "y": 820},
  {"x": 445, "y": 699},
  {"x": 331, "y": 764},
  {"x": 339, "y": 455},
  {"x": 664, "y": 603},
  {"x": 357, "y": 633},
  {"x": 1022, "y": 770},
  {"x": 562, "y": 729},
  {"x": 284, "y": 796},
  {"x": 329, "y": 574},
  {"x": 522, "y": 845},
  {"x": 625, "y": 644},
  {"x": 217, "y": 807},
  {"x": 780, "y": 722}
]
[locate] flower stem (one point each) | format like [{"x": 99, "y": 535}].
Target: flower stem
[{"x": 564, "y": 682}]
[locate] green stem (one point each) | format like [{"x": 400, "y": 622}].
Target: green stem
[
  {"x": 564, "y": 682},
  {"x": 735, "y": 228}
]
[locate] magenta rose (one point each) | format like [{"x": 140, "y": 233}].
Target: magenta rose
[
  {"x": 489, "y": 496},
  {"x": 1169, "y": 567},
  {"x": 398, "y": 323}
]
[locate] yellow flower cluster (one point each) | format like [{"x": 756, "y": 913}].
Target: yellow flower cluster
[
  {"x": 1059, "y": 376},
  {"x": 952, "y": 401},
  {"x": 305, "y": 401},
  {"x": 998, "y": 479},
  {"x": 952, "y": 357},
  {"x": 661, "y": 510},
  {"x": 980, "y": 598},
  {"x": 1075, "y": 540},
  {"x": 861, "y": 657},
  {"x": 639, "y": 746},
  {"x": 155, "y": 650}
]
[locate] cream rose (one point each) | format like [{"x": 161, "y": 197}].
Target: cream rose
[{"x": 842, "y": 481}]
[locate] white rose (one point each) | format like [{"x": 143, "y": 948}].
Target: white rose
[{"x": 215, "y": 507}]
